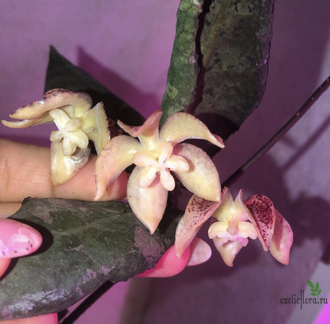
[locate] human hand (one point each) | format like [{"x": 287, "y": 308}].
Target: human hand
[{"x": 24, "y": 171}]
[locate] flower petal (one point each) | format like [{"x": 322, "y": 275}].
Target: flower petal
[
  {"x": 148, "y": 132},
  {"x": 115, "y": 157},
  {"x": 60, "y": 118},
  {"x": 79, "y": 138},
  {"x": 197, "y": 212},
  {"x": 95, "y": 126},
  {"x": 202, "y": 179},
  {"x": 167, "y": 180},
  {"x": 282, "y": 240},
  {"x": 28, "y": 122},
  {"x": 227, "y": 207},
  {"x": 53, "y": 99},
  {"x": 263, "y": 216},
  {"x": 63, "y": 168},
  {"x": 228, "y": 251},
  {"x": 246, "y": 229},
  {"x": 148, "y": 204},
  {"x": 148, "y": 175},
  {"x": 145, "y": 158},
  {"x": 181, "y": 126},
  {"x": 232, "y": 209},
  {"x": 164, "y": 151},
  {"x": 218, "y": 229},
  {"x": 177, "y": 163}
]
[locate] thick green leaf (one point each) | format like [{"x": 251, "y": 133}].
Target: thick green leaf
[
  {"x": 85, "y": 244},
  {"x": 235, "y": 45},
  {"x": 183, "y": 70},
  {"x": 63, "y": 74},
  {"x": 233, "y": 42}
]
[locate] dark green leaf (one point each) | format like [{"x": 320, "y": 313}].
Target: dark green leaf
[
  {"x": 317, "y": 286},
  {"x": 235, "y": 45},
  {"x": 183, "y": 70},
  {"x": 85, "y": 244},
  {"x": 313, "y": 294},
  {"x": 63, "y": 74},
  {"x": 319, "y": 292},
  {"x": 310, "y": 284}
]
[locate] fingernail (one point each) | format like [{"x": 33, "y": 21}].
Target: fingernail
[
  {"x": 200, "y": 252},
  {"x": 17, "y": 239}
]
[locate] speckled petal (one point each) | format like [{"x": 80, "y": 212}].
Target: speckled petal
[
  {"x": 148, "y": 132},
  {"x": 181, "y": 126},
  {"x": 282, "y": 240},
  {"x": 53, "y": 99},
  {"x": 63, "y": 168},
  {"x": 263, "y": 215},
  {"x": 116, "y": 156},
  {"x": 202, "y": 179},
  {"x": 148, "y": 204},
  {"x": 197, "y": 212}
]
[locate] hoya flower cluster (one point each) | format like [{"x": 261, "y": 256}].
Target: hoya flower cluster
[
  {"x": 77, "y": 123},
  {"x": 157, "y": 154}
]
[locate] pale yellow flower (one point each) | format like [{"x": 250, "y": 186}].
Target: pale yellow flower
[
  {"x": 156, "y": 155},
  {"x": 77, "y": 123}
]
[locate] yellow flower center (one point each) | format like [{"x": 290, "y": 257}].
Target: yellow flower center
[{"x": 68, "y": 132}]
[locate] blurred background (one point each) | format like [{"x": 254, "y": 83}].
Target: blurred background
[{"x": 126, "y": 45}]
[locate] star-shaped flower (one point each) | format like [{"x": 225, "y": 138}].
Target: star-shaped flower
[
  {"x": 77, "y": 123},
  {"x": 233, "y": 223},
  {"x": 155, "y": 156}
]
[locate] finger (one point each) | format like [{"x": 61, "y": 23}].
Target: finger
[
  {"x": 7, "y": 209},
  {"x": 42, "y": 319},
  {"x": 169, "y": 265},
  {"x": 25, "y": 171},
  {"x": 4, "y": 264},
  {"x": 17, "y": 239}
]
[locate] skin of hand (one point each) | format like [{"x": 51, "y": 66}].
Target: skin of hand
[{"x": 25, "y": 171}]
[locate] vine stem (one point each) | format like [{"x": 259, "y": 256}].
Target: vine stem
[{"x": 280, "y": 133}]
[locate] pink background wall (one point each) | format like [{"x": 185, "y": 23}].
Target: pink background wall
[{"x": 126, "y": 45}]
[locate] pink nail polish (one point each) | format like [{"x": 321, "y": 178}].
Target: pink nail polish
[{"x": 17, "y": 239}]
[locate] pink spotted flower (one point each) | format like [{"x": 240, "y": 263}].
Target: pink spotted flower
[{"x": 233, "y": 223}]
